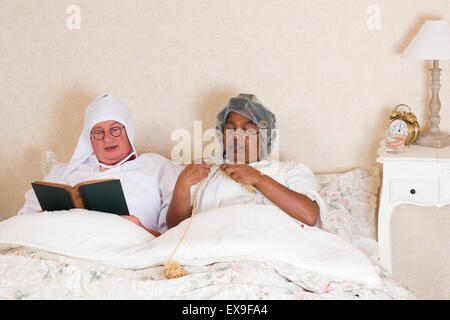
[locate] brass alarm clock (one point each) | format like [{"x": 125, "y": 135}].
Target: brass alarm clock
[{"x": 404, "y": 123}]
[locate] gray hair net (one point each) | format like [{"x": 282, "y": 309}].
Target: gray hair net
[{"x": 250, "y": 107}]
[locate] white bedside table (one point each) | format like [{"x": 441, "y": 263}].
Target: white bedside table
[{"x": 421, "y": 176}]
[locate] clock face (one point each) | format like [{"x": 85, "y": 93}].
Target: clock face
[{"x": 399, "y": 127}]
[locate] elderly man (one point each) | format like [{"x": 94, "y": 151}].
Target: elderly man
[{"x": 105, "y": 150}]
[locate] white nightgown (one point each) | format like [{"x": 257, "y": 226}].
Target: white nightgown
[
  {"x": 219, "y": 190},
  {"x": 147, "y": 183}
]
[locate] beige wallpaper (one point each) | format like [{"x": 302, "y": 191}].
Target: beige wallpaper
[{"x": 329, "y": 69}]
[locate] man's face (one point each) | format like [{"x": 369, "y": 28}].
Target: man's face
[{"x": 113, "y": 148}]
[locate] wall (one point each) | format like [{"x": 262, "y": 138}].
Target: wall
[{"x": 329, "y": 69}]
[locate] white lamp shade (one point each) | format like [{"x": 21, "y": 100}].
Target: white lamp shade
[{"x": 432, "y": 42}]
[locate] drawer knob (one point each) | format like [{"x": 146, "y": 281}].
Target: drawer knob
[{"x": 412, "y": 191}]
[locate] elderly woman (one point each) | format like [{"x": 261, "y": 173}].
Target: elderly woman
[
  {"x": 246, "y": 174},
  {"x": 105, "y": 150}
]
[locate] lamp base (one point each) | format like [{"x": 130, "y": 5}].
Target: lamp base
[{"x": 435, "y": 140}]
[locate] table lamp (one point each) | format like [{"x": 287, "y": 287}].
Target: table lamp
[{"x": 432, "y": 42}]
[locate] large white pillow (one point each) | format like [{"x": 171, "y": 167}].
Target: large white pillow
[
  {"x": 240, "y": 232},
  {"x": 76, "y": 232},
  {"x": 264, "y": 232}
]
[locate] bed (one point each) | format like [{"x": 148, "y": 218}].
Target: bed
[{"x": 233, "y": 253}]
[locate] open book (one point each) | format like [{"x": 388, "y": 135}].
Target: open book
[{"x": 98, "y": 195}]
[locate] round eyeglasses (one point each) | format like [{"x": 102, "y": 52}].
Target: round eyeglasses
[
  {"x": 240, "y": 132},
  {"x": 99, "y": 134}
]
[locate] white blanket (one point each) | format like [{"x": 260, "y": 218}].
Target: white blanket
[{"x": 241, "y": 232}]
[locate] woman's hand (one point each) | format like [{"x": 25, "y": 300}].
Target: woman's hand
[
  {"x": 242, "y": 173},
  {"x": 194, "y": 173},
  {"x": 138, "y": 222}
]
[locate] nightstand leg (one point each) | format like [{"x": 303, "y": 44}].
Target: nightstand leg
[{"x": 384, "y": 232}]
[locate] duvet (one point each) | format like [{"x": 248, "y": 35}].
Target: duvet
[{"x": 237, "y": 252}]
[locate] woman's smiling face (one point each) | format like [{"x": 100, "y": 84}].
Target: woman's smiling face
[
  {"x": 241, "y": 139},
  {"x": 112, "y": 148}
]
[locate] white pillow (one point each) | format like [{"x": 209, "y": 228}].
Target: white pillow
[
  {"x": 240, "y": 232},
  {"x": 351, "y": 199},
  {"x": 264, "y": 232},
  {"x": 76, "y": 232}
]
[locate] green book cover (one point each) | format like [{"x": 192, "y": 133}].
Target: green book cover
[
  {"x": 52, "y": 198},
  {"x": 97, "y": 195},
  {"x": 104, "y": 196}
]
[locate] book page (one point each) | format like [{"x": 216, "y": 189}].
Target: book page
[
  {"x": 91, "y": 182},
  {"x": 54, "y": 184}
]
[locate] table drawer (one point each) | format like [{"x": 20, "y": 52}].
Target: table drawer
[{"x": 420, "y": 191}]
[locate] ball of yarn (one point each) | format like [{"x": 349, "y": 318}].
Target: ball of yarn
[{"x": 173, "y": 270}]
